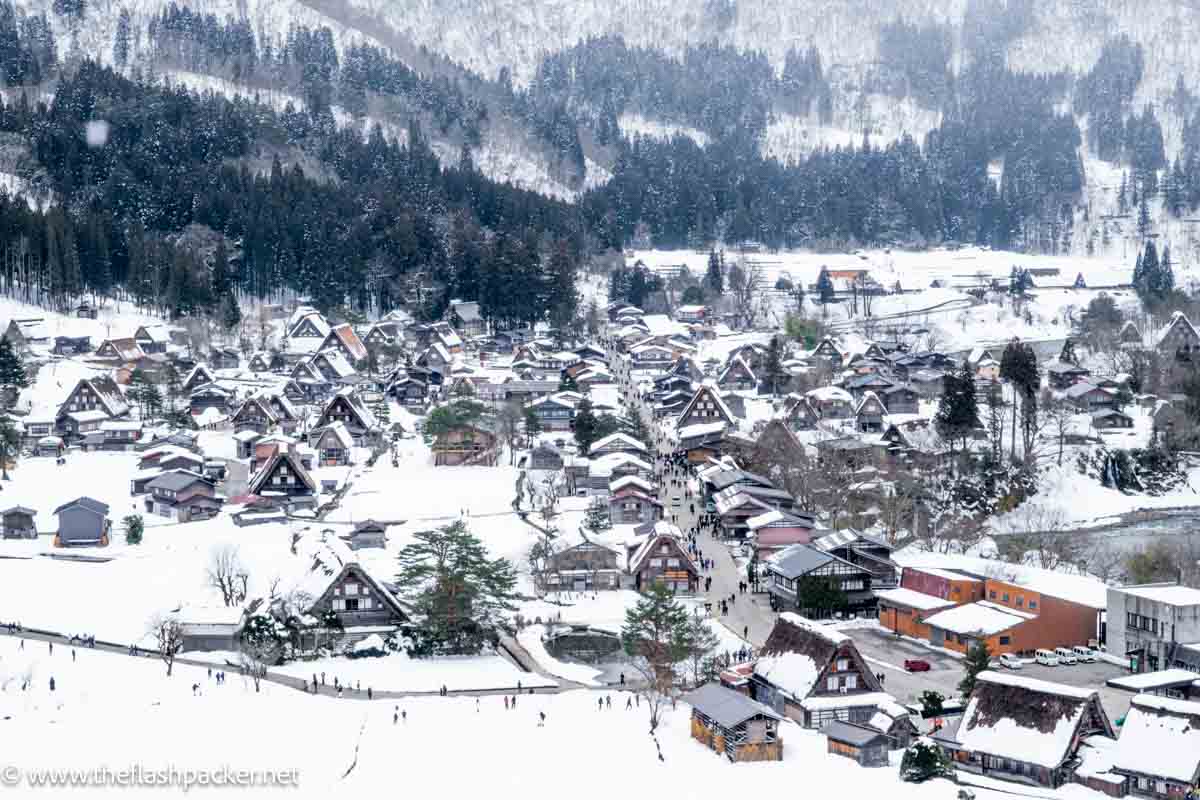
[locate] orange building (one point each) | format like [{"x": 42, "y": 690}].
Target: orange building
[{"x": 954, "y": 609}]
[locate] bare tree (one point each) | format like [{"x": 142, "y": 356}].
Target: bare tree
[
  {"x": 1104, "y": 561},
  {"x": 253, "y": 667},
  {"x": 1059, "y": 417},
  {"x": 541, "y": 559},
  {"x": 226, "y": 573},
  {"x": 1040, "y": 534},
  {"x": 745, "y": 283},
  {"x": 168, "y": 636},
  {"x": 509, "y": 418}
]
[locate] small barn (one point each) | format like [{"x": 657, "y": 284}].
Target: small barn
[
  {"x": 18, "y": 523},
  {"x": 731, "y": 724},
  {"x": 864, "y": 744}
]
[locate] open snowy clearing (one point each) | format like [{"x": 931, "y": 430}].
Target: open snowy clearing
[{"x": 360, "y": 748}]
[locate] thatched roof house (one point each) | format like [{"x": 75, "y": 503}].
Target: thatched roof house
[
  {"x": 1024, "y": 729},
  {"x": 815, "y": 674}
]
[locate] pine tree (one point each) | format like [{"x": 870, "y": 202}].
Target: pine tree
[
  {"x": 533, "y": 424},
  {"x": 10, "y": 444},
  {"x": 1144, "y": 224},
  {"x": 824, "y": 288},
  {"x": 230, "y": 312},
  {"x": 121, "y": 39},
  {"x": 773, "y": 371},
  {"x": 597, "y": 518},
  {"x": 714, "y": 275},
  {"x": 12, "y": 372},
  {"x": 586, "y": 426},
  {"x": 1123, "y": 195},
  {"x": 958, "y": 407},
  {"x": 1164, "y": 283},
  {"x": 978, "y": 660}
]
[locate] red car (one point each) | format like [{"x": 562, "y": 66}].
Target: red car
[{"x": 916, "y": 665}]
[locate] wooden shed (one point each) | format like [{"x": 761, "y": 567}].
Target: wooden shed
[
  {"x": 867, "y": 746},
  {"x": 731, "y": 723}
]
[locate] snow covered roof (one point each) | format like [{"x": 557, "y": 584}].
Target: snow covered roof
[
  {"x": 1082, "y": 589},
  {"x": 1171, "y": 595},
  {"x": 312, "y": 315},
  {"x": 349, "y": 339},
  {"x": 725, "y": 706},
  {"x": 1177, "y": 319},
  {"x": 830, "y": 394},
  {"x": 1160, "y": 737},
  {"x": 911, "y": 599},
  {"x": 978, "y": 619},
  {"x": 796, "y": 652},
  {"x": 1146, "y": 681},
  {"x": 620, "y": 439},
  {"x": 630, "y": 481},
  {"x": 1023, "y": 719},
  {"x": 337, "y": 362},
  {"x": 701, "y": 429}
]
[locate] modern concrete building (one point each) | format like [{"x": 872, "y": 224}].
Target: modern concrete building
[{"x": 1156, "y": 625}]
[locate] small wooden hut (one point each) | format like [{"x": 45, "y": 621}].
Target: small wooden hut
[{"x": 728, "y": 722}]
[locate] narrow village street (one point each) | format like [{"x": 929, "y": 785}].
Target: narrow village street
[{"x": 749, "y": 615}]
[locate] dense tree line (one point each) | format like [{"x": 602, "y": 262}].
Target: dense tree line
[
  {"x": 166, "y": 161},
  {"x": 920, "y": 54},
  {"x": 27, "y": 49}
]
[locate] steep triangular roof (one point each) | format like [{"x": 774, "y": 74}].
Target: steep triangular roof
[{"x": 712, "y": 393}]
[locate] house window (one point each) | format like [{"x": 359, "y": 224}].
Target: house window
[
  {"x": 1020, "y": 601},
  {"x": 843, "y": 664},
  {"x": 1032, "y": 604},
  {"x": 351, "y": 604},
  {"x": 351, "y": 589},
  {"x": 1005, "y": 640},
  {"x": 992, "y": 595},
  {"x": 851, "y": 681},
  {"x": 831, "y": 684},
  {"x": 1005, "y": 597}
]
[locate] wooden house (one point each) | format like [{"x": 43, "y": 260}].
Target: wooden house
[
  {"x": 199, "y": 376},
  {"x": 307, "y": 323},
  {"x": 731, "y": 724},
  {"x": 631, "y": 507},
  {"x": 662, "y": 559},
  {"x": 152, "y": 338},
  {"x": 91, "y": 402},
  {"x": 869, "y": 414},
  {"x": 737, "y": 376},
  {"x": 545, "y": 457},
  {"x": 120, "y": 351},
  {"x": 357, "y": 599},
  {"x": 345, "y": 340},
  {"x": 333, "y": 443},
  {"x": 86, "y": 310},
  {"x": 464, "y": 445},
  {"x": 1023, "y": 729},
  {"x": 859, "y": 385},
  {"x": 801, "y": 415},
  {"x": 706, "y": 408},
  {"x": 18, "y": 523},
  {"x": 368, "y": 534},
  {"x": 208, "y": 396},
  {"x": 381, "y": 335},
  {"x": 1087, "y": 397},
  {"x": 775, "y": 530},
  {"x": 465, "y": 318},
  {"x": 348, "y": 408},
  {"x": 814, "y": 675},
  {"x": 792, "y": 570},
  {"x": 82, "y": 522},
  {"x": 862, "y": 743},
  {"x": 1159, "y": 749},
  {"x": 1179, "y": 343},
  {"x": 1063, "y": 375},
  {"x": 828, "y": 352},
  {"x": 182, "y": 496},
  {"x": 333, "y": 367},
  {"x": 283, "y": 475},
  {"x": 901, "y": 399},
  {"x": 554, "y": 413},
  {"x": 254, "y": 414},
  {"x": 259, "y": 362},
  {"x": 583, "y": 567},
  {"x": 1110, "y": 418},
  {"x": 617, "y": 443},
  {"x": 831, "y": 402},
  {"x": 224, "y": 358},
  {"x": 72, "y": 345},
  {"x": 409, "y": 392}
]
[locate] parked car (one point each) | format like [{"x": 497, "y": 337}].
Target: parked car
[
  {"x": 1065, "y": 655},
  {"x": 1010, "y": 661},
  {"x": 1046, "y": 658},
  {"x": 1085, "y": 655},
  {"x": 916, "y": 665}
]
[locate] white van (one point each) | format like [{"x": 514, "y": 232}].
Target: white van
[
  {"x": 1010, "y": 661},
  {"x": 1084, "y": 654},
  {"x": 1046, "y": 658},
  {"x": 1065, "y": 655}
]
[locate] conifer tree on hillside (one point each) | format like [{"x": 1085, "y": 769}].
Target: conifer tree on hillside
[
  {"x": 587, "y": 426},
  {"x": 714, "y": 276},
  {"x": 978, "y": 660},
  {"x": 824, "y": 289},
  {"x": 958, "y": 407},
  {"x": 773, "y": 372},
  {"x": 12, "y": 371}
]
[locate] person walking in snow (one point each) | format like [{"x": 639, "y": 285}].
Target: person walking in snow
[
  {"x": 506, "y": 702},
  {"x": 72, "y": 655},
  {"x": 628, "y": 703},
  {"x": 542, "y": 714},
  {"x": 51, "y": 647},
  {"x": 608, "y": 701},
  {"x": 370, "y": 694},
  {"x": 395, "y": 716},
  {"x": 599, "y": 703},
  {"x": 52, "y": 683}
]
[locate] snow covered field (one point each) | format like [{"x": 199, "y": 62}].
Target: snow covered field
[{"x": 113, "y": 711}]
